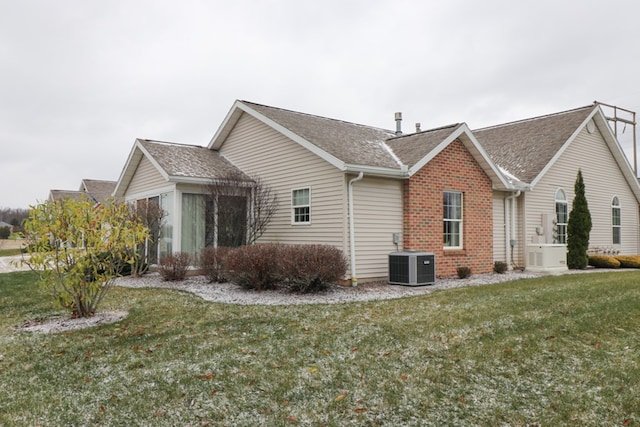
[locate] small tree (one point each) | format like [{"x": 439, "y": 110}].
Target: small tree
[
  {"x": 78, "y": 249},
  {"x": 239, "y": 208},
  {"x": 5, "y": 232},
  {"x": 578, "y": 228}
]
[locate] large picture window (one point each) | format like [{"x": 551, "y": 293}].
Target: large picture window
[
  {"x": 562, "y": 216},
  {"x": 301, "y": 206},
  {"x": 616, "y": 221},
  {"x": 452, "y": 219}
]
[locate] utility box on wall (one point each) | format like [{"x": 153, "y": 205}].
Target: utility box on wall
[{"x": 412, "y": 268}]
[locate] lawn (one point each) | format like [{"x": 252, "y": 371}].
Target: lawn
[{"x": 552, "y": 351}]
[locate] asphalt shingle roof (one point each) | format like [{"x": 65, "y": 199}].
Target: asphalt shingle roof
[
  {"x": 99, "y": 190},
  {"x": 410, "y": 149},
  {"x": 192, "y": 161},
  {"x": 525, "y": 147}
]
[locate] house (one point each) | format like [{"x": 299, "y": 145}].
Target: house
[
  {"x": 97, "y": 190},
  {"x": 61, "y": 195},
  {"x": 543, "y": 155},
  {"x": 464, "y": 196}
]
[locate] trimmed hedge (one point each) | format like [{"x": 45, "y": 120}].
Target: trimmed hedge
[
  {"x": 628, "y": 261},
  {"x": 603, "y": 261},
  {"x": 299, "y": 268}
]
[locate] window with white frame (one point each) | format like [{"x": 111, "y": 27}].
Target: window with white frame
[
  {"x": 301, "y": 206},
  {"x": 562, "y": 216},
  {"x": 616, "y": 220},
  {"x": 452, "y": 219}
]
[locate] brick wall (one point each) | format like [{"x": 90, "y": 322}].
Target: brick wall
[{"x": 453, "y": 169}]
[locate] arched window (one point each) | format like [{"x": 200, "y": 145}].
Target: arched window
[
  {"x": 616, "y": 220},
  {"x": 562, "y": 216}
]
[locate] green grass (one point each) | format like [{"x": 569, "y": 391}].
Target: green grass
[
  {"x": 10, "y": 252},
  {"x": 551, "y": 351}
]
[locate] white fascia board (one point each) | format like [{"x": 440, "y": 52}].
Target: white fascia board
[
  {"x": 564, "y": 147},
  {"x": 225, "y": 127},
  {"x": 190, "y": 180},
  {"x": 217, "y": 141},
  {"x": 617, "y": 151},
  {"x": 128, "y": 170},
  {"x": 153, "y": 161},
  {"x": 463, "y": 129},
  {"x": 402, "y": 172}
]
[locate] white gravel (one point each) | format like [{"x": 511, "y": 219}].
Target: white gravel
[{"x": 232, "y": 294}]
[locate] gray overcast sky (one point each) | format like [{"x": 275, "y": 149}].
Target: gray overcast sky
[{"x": 81, "y": 79}]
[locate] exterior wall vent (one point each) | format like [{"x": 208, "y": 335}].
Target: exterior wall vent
[{"x": 412, "y": 268}]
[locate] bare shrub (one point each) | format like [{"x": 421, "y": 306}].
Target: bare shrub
[
  {"x": 312, "y": 268},
  {"x": 255, "y": 266},
  {"x": 212, "y": 261},
  {"x": 463, "y": 272},
  {"x": 174, "y": 267}
]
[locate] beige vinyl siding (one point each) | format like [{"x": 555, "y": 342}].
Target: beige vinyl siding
[
  {"x": 284, "y": 165},
  {"x": 603, "y": 180},
  {"x": 378, "y": 214},
  {"x": 499, "y": 251},
  {"x": 145, "y": 179}
]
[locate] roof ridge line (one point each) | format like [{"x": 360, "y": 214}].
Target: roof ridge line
[
  {"x": 318, "y": 116},
  {"x": 530, "y": 119},
  {"x": 181, "y": 144},
  {"x": 405, "y": 135}
]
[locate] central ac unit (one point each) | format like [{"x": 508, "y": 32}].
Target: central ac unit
[{"x": 412, "y": 268}]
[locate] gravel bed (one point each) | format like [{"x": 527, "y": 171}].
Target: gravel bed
[{"x": 229, "y": 293}]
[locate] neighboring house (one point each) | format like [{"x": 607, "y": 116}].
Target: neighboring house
[
  {"x": 368, "y": 191},
  {"x": 61, "y": 195},
  {"x": 97, "y": 190}
]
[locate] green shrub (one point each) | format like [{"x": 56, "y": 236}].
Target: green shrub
[
  {"x": 463, "y": 272},
  {"x": 5, "y": 232},
  {"x": 174, "y": 266},
  {"x": 628, "y": 261},
  {"x": 603, "y": 261},
  {"x": 499, "y": 267},
  {"x": 254, "y": 266},
  {"x": 212, "y": 261},
  {"x": 312, "y": 268}
]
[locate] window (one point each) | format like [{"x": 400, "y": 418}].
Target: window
[
  {"x": 301, "y": 206},
  {"x": 615, "y": 220},
  {"x": 561, "y": 217},
  {"x": 452, "y": 219}
]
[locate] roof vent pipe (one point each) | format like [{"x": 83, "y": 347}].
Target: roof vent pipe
[
  {"x": 418, "y": 127},
  {"x": 398, "y": 123}
]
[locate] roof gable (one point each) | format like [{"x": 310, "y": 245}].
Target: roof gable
[
  {"x": 418, "y": 149},
  {"x": 345, "y": 145},
  {"x": 176, "y": 163},
  {"x": 99, "y": 190}
]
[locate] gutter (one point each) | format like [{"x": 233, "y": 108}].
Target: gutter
[{"x": 352, "y": 235}]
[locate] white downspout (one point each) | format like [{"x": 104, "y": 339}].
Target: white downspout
[
  {"x": 510, "y": 223},
  {"x": 352, "y": 231}
]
